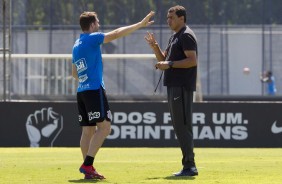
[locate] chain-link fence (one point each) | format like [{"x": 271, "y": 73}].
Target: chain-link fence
[{"x": 224, "y": 49}]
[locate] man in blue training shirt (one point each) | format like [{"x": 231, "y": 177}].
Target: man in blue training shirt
[
  {"x": 87, "y": 68},
  {"x": 268, "y": 78}
]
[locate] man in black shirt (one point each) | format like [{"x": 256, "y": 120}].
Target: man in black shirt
[{"x": 179, "y": 63}]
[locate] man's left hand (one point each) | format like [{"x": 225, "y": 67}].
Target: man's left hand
[{"x": 162, "y": 65}]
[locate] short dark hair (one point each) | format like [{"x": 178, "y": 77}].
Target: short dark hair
[
  {"x": 179, "y": 11},
  {"x": 86, "y": 18},
  {"x": 269, "y": 73}
]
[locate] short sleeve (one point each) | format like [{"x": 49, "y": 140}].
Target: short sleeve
[
  {"x": 188, "y": 42},
  {"x": 97, "y": 38}
]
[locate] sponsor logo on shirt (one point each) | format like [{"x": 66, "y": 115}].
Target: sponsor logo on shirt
[
  {"x": 81, "y": 65},
  {"x": 83, "y": 78},
  {"x": 77, "y": 43},
  {"x": 85, "y": 86}
]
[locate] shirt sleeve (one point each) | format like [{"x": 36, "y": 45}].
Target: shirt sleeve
[
  {"x": 97, "y": 38},
  {"x": 188, "y": 42}
]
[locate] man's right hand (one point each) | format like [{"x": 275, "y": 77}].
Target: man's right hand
[
  {"x": 146, "y": 21},
  {"x": 126, "y": 30}
]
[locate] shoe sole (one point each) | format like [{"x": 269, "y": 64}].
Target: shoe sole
[
  {"x": 185, "y": 175},
  {"x": 93, "y": 178}
]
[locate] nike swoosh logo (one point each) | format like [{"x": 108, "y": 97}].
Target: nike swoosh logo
[
  {"x": 175, "y": 98},
  {"x": 275, "y": 129}
]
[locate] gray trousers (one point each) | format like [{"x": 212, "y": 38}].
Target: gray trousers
[{"x": 180, "y": 101}]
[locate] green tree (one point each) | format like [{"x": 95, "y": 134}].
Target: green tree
[{"x": 49, "y": 13}]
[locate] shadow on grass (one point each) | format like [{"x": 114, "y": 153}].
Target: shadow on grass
[
  {"x": 180, "y": 178},
  {"x": 173, "y": 178},
  {"x": 84, "y": 181}
]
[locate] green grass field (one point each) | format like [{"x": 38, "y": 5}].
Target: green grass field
[{"x": 141, "y": 165}]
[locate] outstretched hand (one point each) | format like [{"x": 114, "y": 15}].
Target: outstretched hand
[
  {"x": 151, "y": 40},
  {"x": 146, "y": 21}
]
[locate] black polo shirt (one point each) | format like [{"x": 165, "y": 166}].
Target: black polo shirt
[{"x": 179, "y": 42}]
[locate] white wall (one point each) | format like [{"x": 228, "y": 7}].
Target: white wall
[{"x": 245, "y": 50}]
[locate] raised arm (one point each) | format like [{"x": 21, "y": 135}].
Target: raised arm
[
  {"x": 160, "y": 55},
  {"x": 126, "y": 30}
]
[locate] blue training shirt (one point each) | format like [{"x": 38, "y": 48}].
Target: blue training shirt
[
  {"x": 87, "y": 57},
  {"x": 271, "y": 86}
]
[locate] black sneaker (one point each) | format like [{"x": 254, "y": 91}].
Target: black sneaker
[{"x": 187, "y": 172}]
